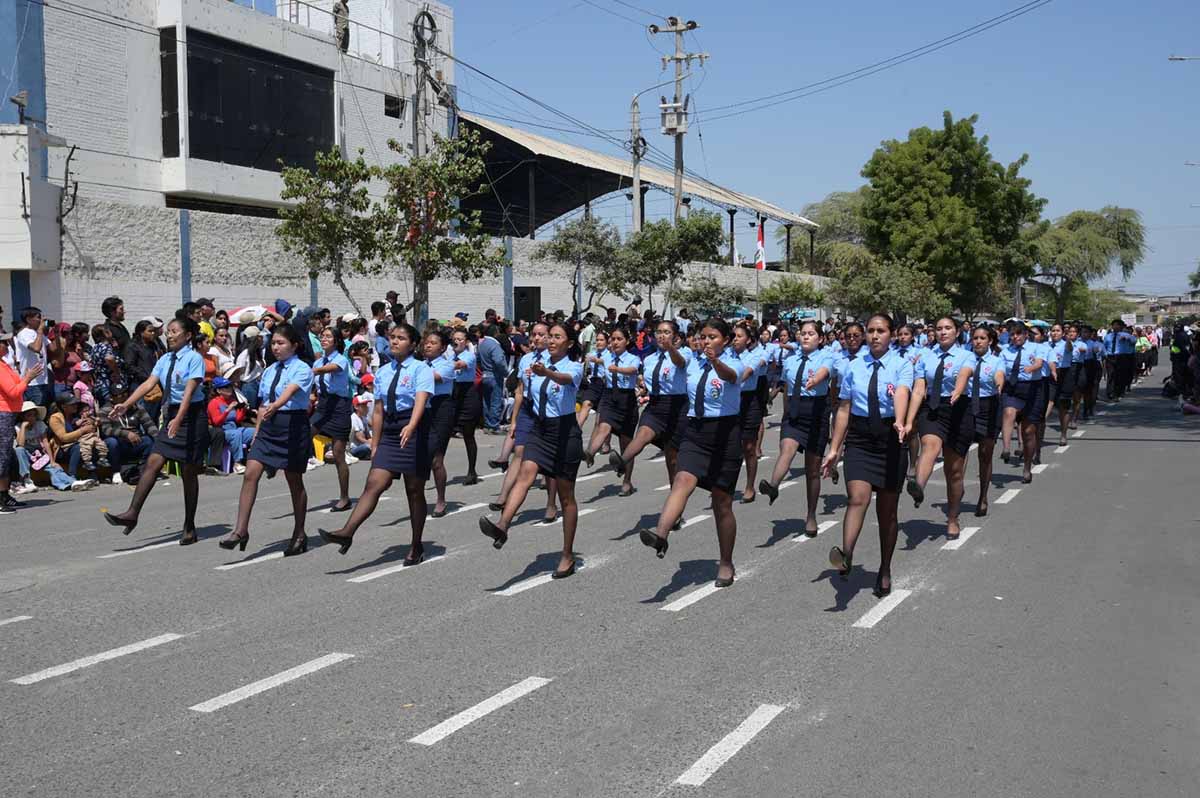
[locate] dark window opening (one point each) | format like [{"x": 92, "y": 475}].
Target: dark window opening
[
  {"x": 169, "y": 93},
  {"x": 393, "y": 106},
  {"x": 253, "y": 108},
  {"x": 215, "y": 206}
]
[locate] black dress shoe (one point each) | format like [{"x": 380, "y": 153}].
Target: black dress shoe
[
  {"x": 115, "y": 521},
  {"x": 472, "y": 479},
  {"x": 415, "y": 555},
  {"x": 438, "y": 513},
  {"x": 768, "y": 490},
  {"x": 651, "y": 539},
  {"x": 723, "y": 581},
  {"x": 500, "y": 464},
  {"x": 297, "y": 546},
  {"x": 339, "y": 508},
  {"x": 564, "y": 574},
  {"x": 231, "y": 543},
  {"x": 916, "y": 491},
  {"x": 188, "y": 538},
  {"x": 678, "y": 525},
  {"x": 981, "y": 510},
  {"x": 841, "y": 561},
  {"x": 495, "y": 506},
  {"x": 342, "y": 541},
  {"x": 499, "y": 536},
  {"x": 617, "y": 462},
  {"x": 880, "y": 591}
]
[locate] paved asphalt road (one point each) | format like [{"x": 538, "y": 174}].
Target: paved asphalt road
[{"x": 1053, "y": 653}]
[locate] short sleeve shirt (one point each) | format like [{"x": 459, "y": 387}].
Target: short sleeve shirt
[
  {"x": 560, "y": 399},
  {"x": 292, "y": 371},
  {"x": 465, "y": 374},
  {"x": 624, "y": 382},
  {"x": 955, "y": 360},
  {"x": 443, "y": 365},
  {"x": 27, "y": 358},
  {"x": 755, "y": 359},
  {"x": 895, "y": 372},
  {"x": 189, "y": 365},
  {"x": 721, "y": 398},
  {"x": 338, "y": 382},
  {"x": 672, "y": 380},
  {"x": 410, "y": 378},
  {"x": 813, "y": 362}
]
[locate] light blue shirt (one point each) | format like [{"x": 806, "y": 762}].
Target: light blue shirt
[
  {"x": 406, "y": 379},
  {"x": 189, "y": 365},
  {"x": 1028, "y": 353},
  {"x": 721, "y": 398},
  {"x": 624, "y": 382},
  {"x": 337, "y": 383},
  {"x": 672, "y": 380},
  {"x": 1095, "y": 350},
  {"x": 1046, "y": 353},
  {"x": 812, "y": 362},
  {"x": 1078, "y": 352},
  {"x": 845, "y": 360},
  {"x": 292, "y": 371},
  {"x": 527, "y": 360},
  {"x": 1123, "y": 342},
  {"x": 443, "y": 364},
  {"x": 956, "y": 359},
  {"x": 895, "y": 372},
  {"x": 560, "y": 399},
  {"x": 595, "y": 371},
  {"x": 986, "y": 369},
  {"x": 755, "y": 359},
  {"x": 468, "y": 357}
]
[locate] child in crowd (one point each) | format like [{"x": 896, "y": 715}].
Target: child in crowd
[
  {"x": 360, "y": 427},
  {"x": 228, "y": 411},
  {"x": 92, "y": 448},
  {"x": 85, "y": 380}
]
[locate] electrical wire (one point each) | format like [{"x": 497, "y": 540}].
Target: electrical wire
[
  {"x": 632, "y": 7},
  {"x": 616, "y": 14}
]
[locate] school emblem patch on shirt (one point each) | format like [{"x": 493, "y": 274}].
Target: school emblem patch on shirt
[
  {"x": 406, "y": 380},
  {"x": 891, "y": 389},
  {"x": 714, "y": 389}
]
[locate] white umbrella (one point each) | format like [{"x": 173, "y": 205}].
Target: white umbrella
[{"x": 258, "y": 310}]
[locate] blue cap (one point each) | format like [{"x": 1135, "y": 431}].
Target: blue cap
[
  {"x": 221, "y": 382},
  {"x": 282, "y": 306}
]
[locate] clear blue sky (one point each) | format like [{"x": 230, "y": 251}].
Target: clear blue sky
[{"x": 1084, "y": 87}]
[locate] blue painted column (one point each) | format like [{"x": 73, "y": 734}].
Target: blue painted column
[
  {"x": 508, "y": 279},
  {"x": 185, "y": 256}
]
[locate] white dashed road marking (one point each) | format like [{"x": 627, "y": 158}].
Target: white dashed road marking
[
  {"x": 138, "y": 550},
  {"x": 1061, "y": 449},
  {"x": 262, "y": 685},
  {"x": 1008, "y": 496},
  {"x": 94, "y": 659},
  {"x": 729, "y": 745},
  {"x": 963, "y": 537},
  {"x": 391, "y": 569},
  {"x": 480, "y": 710},
  {"x": 886, "y": 605},
  {"x": 19, "y": 618},
  {"x": 1078, "y": 434}
]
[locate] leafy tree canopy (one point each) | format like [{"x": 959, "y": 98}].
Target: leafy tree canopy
[
  {"x": 706, "y": 298},
  {"x": 865, "y": 286},
  {"x": 1093, "y": 306},
  {"x": 656, "y": 254},
  {"x": 595, "y": 247},
  {"x": 789, "y": 291},
  {"x": 840, "y": 218}
]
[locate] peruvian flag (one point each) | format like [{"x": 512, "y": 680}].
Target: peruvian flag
[{"x": 760, "y": 255}]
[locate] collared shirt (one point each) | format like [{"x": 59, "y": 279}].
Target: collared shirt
[
  {"x": 189, "y": 365},
  {"x": 672, "y": 380},
  {"x": 846, "y": 359},
  {"x": 1078, "y": 352},
  {"x": 596, "y": 371},
  {"x": 527, "y": 360},
  {"x": 895, "y": 372},
  {"x": 292, "y": 371},
  {"x": 621, "y": 381},
  {"x": 912, "y": 352},
  {"x": 755, "y": 359},
  {"x": 1121, "y": 343},
  {"x": 956, "y": 359},
  {"x": 817, "y": 359},
  {"x": 336, "y": 383},
  {"x": 410, "y": 378},
  {"x": 1046, "y": 353},
  {"x": 443, "y": 364},
  {"x": 1095, "y": 350},
  {"x": 1028, "y": 352},
  {"x": 560, "y": 399},
  {"x": 986, "y": 369},
  {"x": 466, "y": 356},
  {"x": 721, "y": 398}
]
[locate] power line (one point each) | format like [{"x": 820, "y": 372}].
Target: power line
[
  {"x": 616, "y": 14},
  {"x": 640, "y": 10}
]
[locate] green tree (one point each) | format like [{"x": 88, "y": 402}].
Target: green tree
[
  {"x": 328, "y": 220},
  {"x": 1194, "y": 277},
  {"x": 1094, "y": 306},
  {"x": 840, "y": 218},
  {"x": 868, "y": 286},
  {"x": 655, "y": 255},
  {"x": 594, "y": 248},
  {"x": 942, "y": 203},
  {"x": 421, "y": 220},
  {"x": 788, "y": 292},
  {"x": 708, "y": 297},
  {"x": 1087, "y": 245}
]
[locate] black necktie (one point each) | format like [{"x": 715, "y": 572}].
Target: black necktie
[
  {"x": 275, "y": 382},
  {"x": 616, "y": 362},
  {"x": 657, "y": 370},
  {"x": 794, "y": 399},
  {"x": 935, "y": 401},
  {"x": 542, "y": 396},
  {"x": 1016, "y": 369},
  {"x": 1112, "y": 350},
  {"x": 875, "y": 420},
  {"x": 699, "y": 410},
  {"x": 321, "y": 386},
  {"x": 167, "y": 386},
  {"x": 391, "y": 392},
  {"x": 975, "y": 385},
  {"x": 537, "y": 358},
  {"x": 1069, "y": 355}
]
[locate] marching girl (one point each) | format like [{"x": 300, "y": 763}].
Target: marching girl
[
  {"x": 1068, "y": 353},
  {"x": 805, "y": 425},
  {"x": 619, "y": 405},
  {"x": 943, "y": 417},
  {"x": 852, "y": 335},
  {"x": 753, "y": 378},
  {"x": 468, "y": 404},
  {"x": 987, "y": 385},
  {"x": 522, "y": 423},
  {"x": 440, "y": 410},
  {"x": 664, "y": 379},
  {"x": 184, "y": 438},
  {"x": 593, "y": 379},
  {"x": 400, "y": 441},
  {"x": 1049, "y": 383},
  {"x": 710, "y": 455},
  {"x": 871, "y": 423},
  {"x": 778, "y": 352},
  {"x": 282, "y": 439},
  {"x": 331, "y": 372},
  {"x": 1024, "y": 398},
  {"x": 554, "y": 447},
  {"x": 906, "y": 345}
]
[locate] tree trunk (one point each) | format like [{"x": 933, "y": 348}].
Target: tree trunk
[
  {"x": 1060, "y": 301},
  {"x": 340, "y": 283}
]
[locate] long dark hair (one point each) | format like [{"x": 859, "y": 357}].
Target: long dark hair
[
  {"x": 993, "y": 338},
  {"x": 254, "y": 347}
]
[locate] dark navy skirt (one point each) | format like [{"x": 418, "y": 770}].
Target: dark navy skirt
[
  {"x": 468, "y": 405},
  {"x": 987, "y": 420},
  {"x": 524, "y": 422},
  {"x": 332, "y": 418},
  {"x": 592, "y": 391},
  {"x": 712, "y": 452},
  {"x": 807, "y": 422},
  {"x": 556, "y": 445},
  {"x": 666, "y": 416},
  {"x": 190, "y": 446},
  {"x": 953, "y": 424},
  {"x": 619, "y": 409},
  {"x": 1029, "y": 398},
  {"x": 440, "y": 412},
  {"x": 1068, "y": 383},
  {"x": 751, "y": 414},
  {"x": 283, "y": 441},
  {"x": 880, "y": 461},
  {"x": 415, "y": 458}
]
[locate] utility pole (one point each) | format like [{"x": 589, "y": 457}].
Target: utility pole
[
  {"x": 424, "y": 33},
  {"x": 674, "y": 113}
]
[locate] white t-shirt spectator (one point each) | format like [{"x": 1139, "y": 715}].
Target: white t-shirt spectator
[
  {"x": 359, "y": 425},
  {"x": 27, "y": 358}
]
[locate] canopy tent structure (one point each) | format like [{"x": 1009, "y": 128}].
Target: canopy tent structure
[{"x": 535, "y": 180}]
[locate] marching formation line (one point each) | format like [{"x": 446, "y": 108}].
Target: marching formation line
[
  {"x": 548, "y": 576},
  {"x": 729, "y": 745},
  {"x": 963, "y": 537},
  {"x": 480, "y": 710},
  {"x": 262, "y": 685},
  {"x": 885, "y": 605},
  {"x": 391, "y": 569},
  {"x": 1008, "y": 495},
  {"x": 95, "y": 659}
]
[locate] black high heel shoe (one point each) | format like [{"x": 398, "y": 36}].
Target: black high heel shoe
[
  {"x": 617, "y": 462},
  {"x": 726, "y": 581},
  {"x": 496, "y": 507},
  {"x": 589, "y": 458},
  {"x": 338, "y": 508},
  {"x": 564, "y": 574},
  {"x": 231, "y": 543},
  {"x": 981, "y": 509},
  {"x": 916, "y": 491},
  {"x": 652, "y": 540},
  {"x": 881, "y": 591},
  {"x": 112, "y": 519},
  {"x": 188, "y": 538},
  {"x": 768, "y": 490},
  {"x": 298, "y": 545},
  {"x": 841, "y": 561},
  {"x": 415, "y": 556},
  {"x": 500, "y": 464},
  {"x": 499, "y": 536},
  {"x": 343, "y": 541}
]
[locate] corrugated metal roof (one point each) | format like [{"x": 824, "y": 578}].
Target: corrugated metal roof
[{"x": 549, "y": 148}]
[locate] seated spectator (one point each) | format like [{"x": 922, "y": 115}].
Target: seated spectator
[
  {"x": 33, "y": 453},
  {"x": 227, "y": 412},
  {"x": 66, "y": 429},
  {"x": 250, "y": 364},
  {"x": 93, "y": 451},
  {"x": 85, "y": 382},
  {"x": 360, "y": 428},
  {"x": 129, "y": 436}
]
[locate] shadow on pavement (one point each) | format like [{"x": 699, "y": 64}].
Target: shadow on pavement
[
  {"x": 687, "y": 574},
  {"x": 541, "y": 564},
  {"x": 846, "y": 589},
  {"x": 393, "y": 554}
]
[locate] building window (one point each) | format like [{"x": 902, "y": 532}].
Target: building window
[
  {"x": 254, "y": 108},
  {"x": 169, "y": 93},
  {"x": 393, "y": 106}
]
